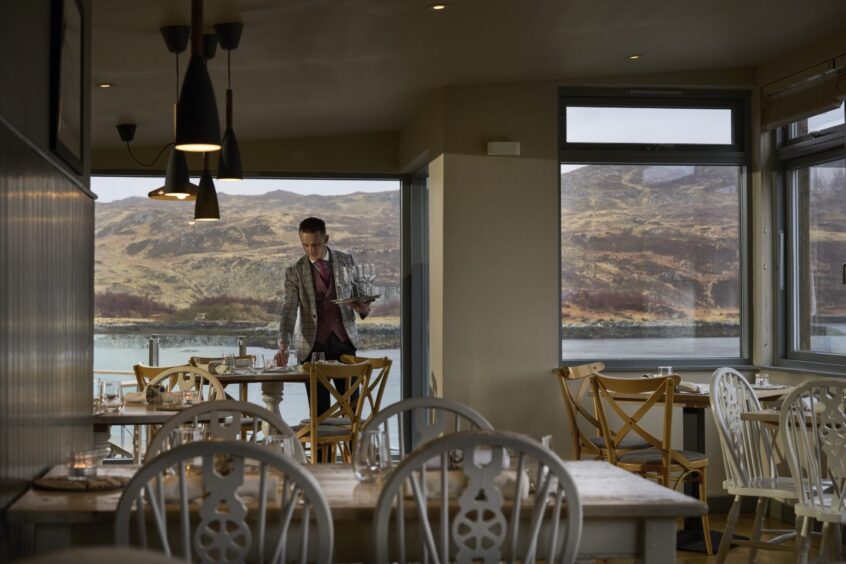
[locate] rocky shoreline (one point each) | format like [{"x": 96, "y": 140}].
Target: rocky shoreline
[
  {"x": 647, "y": 330},
  {"x": 373, "y": 335}
]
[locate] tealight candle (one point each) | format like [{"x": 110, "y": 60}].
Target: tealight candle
[{"x": 82, "y": 464}]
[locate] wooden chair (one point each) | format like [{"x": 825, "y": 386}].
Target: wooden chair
[
  {"x": 430, "y": 419},
  {"x": 748, "y": 455},
  {"x": 486, "y": 516},
  {"x": 813, "y": 426},
  {"x": 578, "y": 414},
  {"x": 329, "y": 438},
  {"x": 224, "y": 420},
  {"x": 143, "y": 374},
  {"x": 190, "y": 377},
  {"x": 660, "y": 461},
  {"x": 376, "y": 387},
  {"x": 204, "y": 516}
]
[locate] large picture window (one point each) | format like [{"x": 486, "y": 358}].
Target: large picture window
[
  {"x": 810, "y": 241},
  {"x": 652, "y": 229}
]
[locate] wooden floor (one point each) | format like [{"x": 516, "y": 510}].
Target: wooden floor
[{"x": 740, "y": 554}]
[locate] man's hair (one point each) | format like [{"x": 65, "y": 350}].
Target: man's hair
[{"x": 313, "y": 225}]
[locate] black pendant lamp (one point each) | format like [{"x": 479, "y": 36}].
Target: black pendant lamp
[
  {"x": 229, "y": 159},
  {"x": 177, "y": 184},
  {"x": 206, "y": 208},
  {"x": 197, "y": 126}
]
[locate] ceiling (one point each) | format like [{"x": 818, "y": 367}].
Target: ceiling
[{"x": 329, "y": 67}]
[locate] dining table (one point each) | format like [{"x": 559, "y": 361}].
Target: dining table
[{"x": 624, "y": 515}]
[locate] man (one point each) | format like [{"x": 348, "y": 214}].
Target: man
[{"x": 310, "y": 287}]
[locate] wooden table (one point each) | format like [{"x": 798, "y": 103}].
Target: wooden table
[{"x": 625, "y": 516}]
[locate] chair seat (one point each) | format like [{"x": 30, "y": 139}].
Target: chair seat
[
  {"x": 328, "y": 430},
  {"x": 628, "y": 443},
  {"x": 778, "y": 488},
  {"x": 654, "y": 456},
  {"x": 330, "y": 421}
]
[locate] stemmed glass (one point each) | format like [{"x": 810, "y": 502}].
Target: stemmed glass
[
  {"x": 346, "y": 283},
  {"x": 372, "y": 459},
  {"x": 370, "y": 276},
  {"x": 291, "y": 340}
]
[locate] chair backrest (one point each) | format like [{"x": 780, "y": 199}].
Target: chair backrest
[
  {"x": 485, "y": 512},
  {"x": 143, "y": 374},
  {"x": 191, "y": 377},
  {"x": 577, "y": 413},
  {"x": 219, "y": 528},
  {"x": 376, "y": 386},
  {"x": 813, "y": 424},
  {"x": 224, "y": 420},
  {"x": 348, "y": 404},
  {"x": 656, "y": 392},
  {"x": 746, "y": 445},
  {"x": 430, "y": 418}
]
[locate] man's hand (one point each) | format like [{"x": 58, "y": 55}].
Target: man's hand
[
  {"x": 281, "y": 356},
  {"x": 362, "y": 307}
]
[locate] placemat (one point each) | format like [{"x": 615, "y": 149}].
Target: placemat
[{"x": 95, "y": 484}]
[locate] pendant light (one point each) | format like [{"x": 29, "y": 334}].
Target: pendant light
[
  {"x": 206, "y": 208},
  {"x": 229, "y": 159},
  {"x": 177, "y": 184},
  {"x": 197, "y": 126}
]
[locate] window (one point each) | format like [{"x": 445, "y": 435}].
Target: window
[
  {"x": 812, "y": 281},
  {"x": 200, "y": 286},
  {"x": 652, "y": 228}
]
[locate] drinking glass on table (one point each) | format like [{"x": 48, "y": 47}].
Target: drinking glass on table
[
  {"x": 372, "y": 456},
  {"x": 97, "y": 406},
  {"x": 318, "y": 357},
  {"x": 283, "y": 444},
  {"x": 665, "y": 370},
  {"x": 111, "y": 397}
]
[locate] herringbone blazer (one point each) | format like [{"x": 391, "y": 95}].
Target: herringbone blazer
[{"x": 299, "y": 307}]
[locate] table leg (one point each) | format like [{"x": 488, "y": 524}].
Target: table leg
[
  {"x": 693, "y": 426},
  {"x": 658, "y": 545},
  {"x": 102, "y": 434},
  {"x": 271, "y": 395}
]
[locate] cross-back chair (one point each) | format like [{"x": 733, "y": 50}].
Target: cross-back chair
[
  {"x": 376, "y": 386},
  {"x": 583, "y": 444},
  {"x": 143, "y": 374},
  {"x": 213, "y": 520},
  {"x": 483, "y": 510},
  {"x": 430, "y": 419},
  {"x": 813, "y": 426},
  {"x": 224, "y": 420},
  {"x": 316, "y": 434},
  {"x": 187, "y": 377},
  {"x": 750, "y": 462},
  {"x": 660, "y": 460}
]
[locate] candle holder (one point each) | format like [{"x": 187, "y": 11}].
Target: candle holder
[{"x": 82, "y": 465}]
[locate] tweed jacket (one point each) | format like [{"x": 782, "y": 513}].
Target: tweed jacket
[{"x": 299, "y": 307}]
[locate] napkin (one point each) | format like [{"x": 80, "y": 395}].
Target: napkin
[
  {"x": 693, "y": 388},
  {"x": 196, "y": 488},
  {"x": 135, "y": 397}
]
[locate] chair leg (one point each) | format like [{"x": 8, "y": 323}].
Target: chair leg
[
  {"x": 825, "y": 544},
  {"x": 803, "y": 542},
  {"x": 706, "y": 519},
  {"x": 728, "y": 534},
  {"x": 837, "y": 542},
  {"x": 760, "y": 511}
]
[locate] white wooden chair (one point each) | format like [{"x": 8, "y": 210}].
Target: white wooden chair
[
  {"x": 226, "y": 420},
  {"x": 482, "y": 516},
  {"x": 750, "y": 464},
  {"x": 186, "y": 377},
  {"x": 215, "y": 526},
  {"x": 430, "y": 418},
  {"x": 813, "y": 426}
]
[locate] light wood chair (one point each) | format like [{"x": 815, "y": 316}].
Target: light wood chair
[
  {"x": 143, "y": 374},
  {"x": 215, "y": 366},
  {"x": 378, "y": 382},
  {"x": 583, "y": 443},
  {"x": 669, "y": 466},
  {"x": 187, "y": 377},
  {"x": 491, "y": 514},
  {"x": 750, "y": 463},
  {"x": 317, "y": 435},
  {"x": 225, "y": 420},
  {"x": 205, "y": 517}
]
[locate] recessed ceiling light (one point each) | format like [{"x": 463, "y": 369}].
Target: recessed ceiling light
[
  {"x": 634, "y": 57},
  {"x": 105, "y": 84},
  {"x": 438, "y": 7}
]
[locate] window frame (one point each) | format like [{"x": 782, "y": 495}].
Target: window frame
[
  {"x": 816, "y": 148},
  {"x": 736, "y": 154}
]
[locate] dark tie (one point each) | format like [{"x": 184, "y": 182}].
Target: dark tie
[{"x": 323, "y": 268}]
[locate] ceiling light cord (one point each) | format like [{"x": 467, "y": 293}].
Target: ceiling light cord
[
  {"x": 134, "y": 158},
  {"x": 229, "y": 70}
]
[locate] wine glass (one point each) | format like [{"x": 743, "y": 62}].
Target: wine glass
[
  {"x": 371, "y": 277},
  {"x": 346, "y": 283},
  {"x": 373, "y": 455},
  {"x": 291, "y": 341},
  {"x": 361, "y": 279}
]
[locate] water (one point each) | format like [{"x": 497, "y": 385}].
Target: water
[
  {"x": 120, "y": 352},
  {"x": 657, "y": 347}
]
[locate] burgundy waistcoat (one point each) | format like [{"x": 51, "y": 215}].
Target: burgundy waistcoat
[{"x": 328, "y": 314}]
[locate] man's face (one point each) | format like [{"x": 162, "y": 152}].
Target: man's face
[{"x": 314, "y": 244}]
